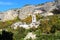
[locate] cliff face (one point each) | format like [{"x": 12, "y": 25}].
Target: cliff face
[
  {"x": 8, "y": 15},
  {"x": 57, "y": 2},
  {"x": 26, "y": 11}
]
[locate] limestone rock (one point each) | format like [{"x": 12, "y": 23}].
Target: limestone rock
[
  {"x": 25, "y": 11},
  {"x": 8, "y": 15},
  {"x": 57, "y": 2}
]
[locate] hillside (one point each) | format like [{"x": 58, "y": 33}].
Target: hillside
[{"x": 31, "y": 22}]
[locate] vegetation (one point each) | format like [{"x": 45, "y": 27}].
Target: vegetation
[
  {"x": 8, "y": 23},
  {"x": 47, "y": 30},
  {"x": 28, "y": 20},
  {"x": 38, "y": 17},
  {"x": 6, "y": 35}
]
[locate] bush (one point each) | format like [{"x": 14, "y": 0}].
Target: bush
[
  {"x": 6, "y": 35},
  {"x": 28, "y": 20},
  {"x": 53, "y": 29}
]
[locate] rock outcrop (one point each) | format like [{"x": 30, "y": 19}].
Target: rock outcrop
[
  {"x": 57, "y": 2},
  {"x": 8, "y": 15},
  {"x": 26, "y": 11}
]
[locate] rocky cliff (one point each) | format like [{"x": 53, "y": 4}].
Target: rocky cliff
[
  {"x": 57, "y": 2},
  {"x": 26, "y": 11}
]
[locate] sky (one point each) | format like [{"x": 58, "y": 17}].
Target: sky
[{"x": 11, "y": 4}]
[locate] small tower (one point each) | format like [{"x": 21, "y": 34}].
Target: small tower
[{"x": 33, "y": 18}]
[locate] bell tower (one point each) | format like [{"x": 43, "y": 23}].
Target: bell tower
[{"x": 33, "y": 18}]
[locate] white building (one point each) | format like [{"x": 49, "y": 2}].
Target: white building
[
  {"x": 33, "y": 18},
  {"x": 26, "y": 26},
  {"x": 20, "y": 24},
  {"x": 34, "y": 22}
]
